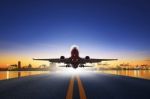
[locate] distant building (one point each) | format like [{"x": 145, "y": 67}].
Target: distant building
[
  {"x": 19, "y": 64},
  {"x": 30, "y": 66},
  {"x": 13, "y": 66}
]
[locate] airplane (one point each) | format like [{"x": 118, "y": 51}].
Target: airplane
[{"x": 75, "y": 60}]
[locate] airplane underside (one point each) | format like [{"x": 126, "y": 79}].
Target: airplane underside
[{"x": 76, "y": 66}]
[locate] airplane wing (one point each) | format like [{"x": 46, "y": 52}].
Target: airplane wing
[
  {"x": 55, "y": 60},
  {"x": 97, "y": 60}
]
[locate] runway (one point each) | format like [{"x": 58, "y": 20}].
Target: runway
[{"x": 61, "y": 86}]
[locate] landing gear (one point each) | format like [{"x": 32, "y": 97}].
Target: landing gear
[
  {"x": 81, "y": 65},
  {"x": 67, "y": 65}
]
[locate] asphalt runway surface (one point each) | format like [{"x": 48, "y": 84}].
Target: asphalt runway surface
[{"x": 62, "y": 86}]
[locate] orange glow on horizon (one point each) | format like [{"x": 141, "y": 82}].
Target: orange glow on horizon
[
  {"x": 25, "y": 56},
  {"x": 25, "y": 61}
]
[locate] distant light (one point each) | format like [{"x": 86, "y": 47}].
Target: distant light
[
  {"x": 7, "y": 64},
  {"x": 7, "y": 75}
]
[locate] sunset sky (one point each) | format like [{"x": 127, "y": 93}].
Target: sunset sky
[{"x": 47, "y": 29}]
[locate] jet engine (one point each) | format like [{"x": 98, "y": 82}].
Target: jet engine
[
  {"x": 87, "y": 57},
  {"x": 62, "y": 57}
]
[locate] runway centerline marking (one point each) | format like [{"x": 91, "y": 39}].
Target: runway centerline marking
[
  {"x": 70, "y": 89},
  {"x": 81, "y": 88}
]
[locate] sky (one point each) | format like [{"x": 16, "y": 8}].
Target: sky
[{"x": 48, "y": 28}]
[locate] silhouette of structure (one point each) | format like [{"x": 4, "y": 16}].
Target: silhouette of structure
[{"x": 19, "y": 65}]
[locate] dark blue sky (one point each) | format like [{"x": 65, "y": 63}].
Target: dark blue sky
[{"x": 116, "y": 24}]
